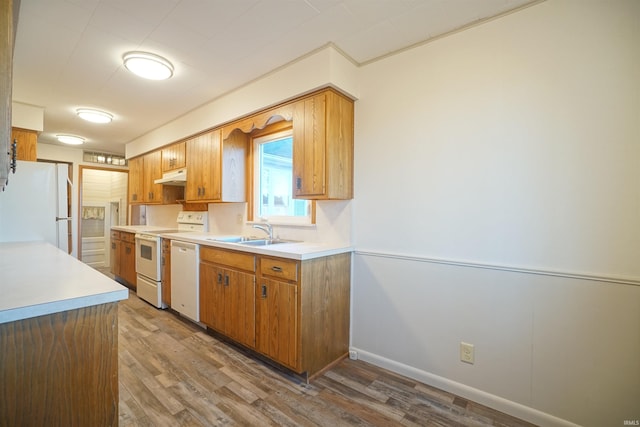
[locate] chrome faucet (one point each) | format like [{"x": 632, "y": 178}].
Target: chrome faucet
[{"x": 266, "y": 227}]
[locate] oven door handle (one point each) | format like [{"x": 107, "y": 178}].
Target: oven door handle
[{"x": 146, "y": 237}]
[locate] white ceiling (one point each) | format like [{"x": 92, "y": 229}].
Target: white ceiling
[{"x": 68, "y": 53}]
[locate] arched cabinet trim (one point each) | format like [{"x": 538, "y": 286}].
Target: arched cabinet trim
[{"x": 260, "y": 120}]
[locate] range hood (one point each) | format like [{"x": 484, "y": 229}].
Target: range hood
[{"x": 177, "y": 177}]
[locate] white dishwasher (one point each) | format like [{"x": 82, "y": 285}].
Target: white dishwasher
[{"x": 185, "y": 279}]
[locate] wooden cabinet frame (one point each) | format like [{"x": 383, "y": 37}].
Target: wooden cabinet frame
[
  {"x": 298, "y": 316},
  {"x": 219, "y": 160}
]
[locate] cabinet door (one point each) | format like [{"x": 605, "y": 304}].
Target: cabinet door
[
  {"x": 27, "y": 142},
  {"x": 173, "y": 157},
  {"x": 204, "y": 168},
  {"x": 240, "y": 321},
  {"x": 136, "y": 180},
  {"x": 212, "y": 296},
  {"x": 152, "y": 170},
  {"x": 309, "y": 135},
  {"x": 277, "y": 321},
  {"x": 128, "y": 263},
  {"x": 114, "y": 260}
]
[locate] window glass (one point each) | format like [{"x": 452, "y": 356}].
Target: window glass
[{"x": 273, "y": 175}]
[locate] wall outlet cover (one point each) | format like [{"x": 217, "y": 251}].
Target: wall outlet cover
[{"x": 467, "y": 353}]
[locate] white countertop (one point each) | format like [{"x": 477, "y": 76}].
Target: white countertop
[
  {"x": 295, "y": 250},
  {"x": 142, "y": 228},
  {"x": 37, "y": 278}
]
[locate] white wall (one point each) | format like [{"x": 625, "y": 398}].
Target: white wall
[{"x": 497, "y": 203}]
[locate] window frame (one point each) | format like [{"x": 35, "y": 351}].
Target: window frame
[{"x": 279, "y": 127}]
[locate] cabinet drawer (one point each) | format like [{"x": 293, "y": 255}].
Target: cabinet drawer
[
  {"x": 115, "y": 235},
  {"x": 281, "y": 268},
  {"x": 127, "y": 237},
  {"x": 232, "y": 259}
]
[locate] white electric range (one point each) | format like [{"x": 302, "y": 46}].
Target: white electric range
[{"x": 149, "y": 254}]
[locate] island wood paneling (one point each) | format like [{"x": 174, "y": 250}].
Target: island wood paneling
[{"x": 60, "y": 369}]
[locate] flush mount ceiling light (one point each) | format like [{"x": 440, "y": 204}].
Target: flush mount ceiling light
[
  {"x": 148, "y": 65},
  {"x": 70, "y": 139},
  {"x": 94, "y": 116}
]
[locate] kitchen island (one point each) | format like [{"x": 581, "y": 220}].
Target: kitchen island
[{"x": 58, "y": 338}]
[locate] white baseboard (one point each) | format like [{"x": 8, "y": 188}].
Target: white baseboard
[{"x": 495, "y": 402}]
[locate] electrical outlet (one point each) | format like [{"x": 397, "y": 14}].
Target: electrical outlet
[
  {"x": 353, "y": 355},
  {"x": 467, "y": 353}
]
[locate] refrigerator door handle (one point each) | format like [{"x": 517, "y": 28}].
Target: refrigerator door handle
[{"x": 66, "y": 218}]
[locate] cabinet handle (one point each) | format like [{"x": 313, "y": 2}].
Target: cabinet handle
[
  {"x": 13, "y": 164},
  {"x": 127, "y": 250},
  {"x": 263, "y": 293},
  {"x": 277, "y": 269},
  {"x": 226, "y": 280},
  {"x": 219, "y": 277},
  {"x": 162, "y": 261},
  {"x": 113, "y": 246},
  {"x": 134, "y": 197},
  {"x": 298, "y": 183}
]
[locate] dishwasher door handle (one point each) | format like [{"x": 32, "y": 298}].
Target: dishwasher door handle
[{"x": 183, "y": 245}]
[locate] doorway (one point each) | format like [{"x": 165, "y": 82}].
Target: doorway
[{"x": 102, "y": 204}]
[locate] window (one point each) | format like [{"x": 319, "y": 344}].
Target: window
[{"x": 273, "y": 181}]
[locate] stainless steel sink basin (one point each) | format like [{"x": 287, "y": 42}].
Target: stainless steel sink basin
[
  {"x": 249, "y": 241},
  {"x": 263, "y": 242}
]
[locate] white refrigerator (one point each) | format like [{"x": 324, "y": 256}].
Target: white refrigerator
[{"x": 33, "y": 205}]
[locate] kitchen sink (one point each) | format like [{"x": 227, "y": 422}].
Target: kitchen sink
[
  {"x": 263, "y": 242},
  {"x": 250, "y": 241}
]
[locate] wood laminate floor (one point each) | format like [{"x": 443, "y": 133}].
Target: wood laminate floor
[{"x": 173, "y": 373}]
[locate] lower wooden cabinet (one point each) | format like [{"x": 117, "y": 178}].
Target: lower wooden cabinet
[
  {"x": 166, "y": 272},
  {"x": 116, "y": 248},
  {"x": 227, "y": 294},
  {"x": 296, "y": 313},
  {"x": 277, "y": 320},
  {"x": 123, "y": 258}
]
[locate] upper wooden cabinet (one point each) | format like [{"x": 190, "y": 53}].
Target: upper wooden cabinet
[
  {"x": 152, "y": 170},
  {"x": 9, "y": 18},
  {"x": 323, "y": 147},
  {"x": 136, "y": 180},
  {"x": 143, "y": 171},
  {"x": 173, "y": 156},
  {"x": 217, "y": 161},
  {"x": 216, "y": 168},
  {"x": 27, "y": 143},
  {"x": 203, "y": 166}
]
